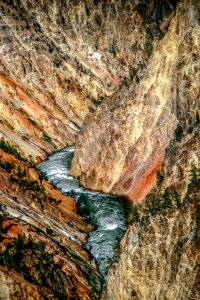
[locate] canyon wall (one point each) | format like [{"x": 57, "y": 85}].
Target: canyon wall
[
  {"x": 59, "y": 59},
  {"x": 160, "y": 252},
  {"x": 121, "y": 80},
  {"x": 152, "y": 125},
  {"x": 122, "y": 144},
  {"x": 41, "y": 238}
]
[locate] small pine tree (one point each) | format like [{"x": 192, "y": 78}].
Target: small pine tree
[
  {"x": 167, "y": 200},
  {"x": 176, "y": 198},
  {"x": 160, "y": 178},
  {"x": 178, "y": 133},
  {"x": 191, "y": 126},
  {"x": 197, "y": 117},
  {"x": 193, "y": 173},
  {"x": 157, "y": 204},
  {"x": 134, "y": 214}
]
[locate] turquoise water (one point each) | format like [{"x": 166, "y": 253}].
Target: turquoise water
[{"x": 106, "y": 213}]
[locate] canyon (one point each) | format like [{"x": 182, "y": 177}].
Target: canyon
[{"x": 119, "y": 81}]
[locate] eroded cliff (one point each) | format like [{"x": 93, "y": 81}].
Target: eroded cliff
[
  {"x": 160, "y": 252},
  {"x": 153, "y": 125},
  {"x": 123, "y": 142},
  {"x": 42, "y": 237},
  {"x": 60, "y": 58}
]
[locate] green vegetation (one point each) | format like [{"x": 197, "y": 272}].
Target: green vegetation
[
  {"x": 43, "y": 176},
  {"x": 193, "y": 122},
  {"x": 41, "y": 269},
  {"x": 197, "y": 118},
  {"x": 33, "y": 122},
  {"x": 191, "y": 126},
  {"x": 31, "y": 161},
  {"x": 134, "y": 215},
  {"x": 168, "y": 199},
  {"x": 160, "y": 178},
  {"x": 194, "y": 174},
  {"x": 155, "y": 203},
  {"x": 125, "y": 81},
  {"x": 7, "y": 166},
  {"x": 137, "y": 79},
  {"x": 25, "y": 184},
  {"x": 113, "y": 51},
  {"x": 97, "y": 101},
  {"x": 132, "y": 73},
  {"x": 57, "y": 63},
  {"x": 47, "y": 138},
  {"x": 178, "y": 133},
  {"x": 32, "y": 185},
  {"x": 10, "y": 149}
]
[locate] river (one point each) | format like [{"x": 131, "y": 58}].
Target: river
[{"x": 107, "y": 213}]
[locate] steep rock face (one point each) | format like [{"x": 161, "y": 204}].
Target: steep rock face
[
  {"x": 58, "y": 58},
  {"x": 159, "y": 255},
  {"x": 41, "y": 239},
  {"x": 123, "y": 143}
]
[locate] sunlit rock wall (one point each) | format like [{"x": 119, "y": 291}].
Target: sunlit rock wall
[
  {"x": 41, "y": 239},
  {"x": 160, "y": 252},
  {"x": 123, "y": 142},
  {"x": 60, "y": 58}
]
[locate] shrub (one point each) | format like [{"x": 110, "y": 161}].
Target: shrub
[
  {"x": 197, "y": 117},
  {"x": 178, "y": 133},
  {"x": 160, "y": 178},
  {"x": 33, "y": 122},
  {"x": 167, "y": 199},
  {"x": 10, "y": 149},
  {"x": 132, "y": 73},
  {"x": 134, "y": 215},
  {"x": 7, "y": 166},
  {"x": 194, "y": 173},
  {"x": 47, "y": 138}
]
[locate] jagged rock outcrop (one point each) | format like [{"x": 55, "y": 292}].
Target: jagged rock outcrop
[{"x": 123, "y": 142}]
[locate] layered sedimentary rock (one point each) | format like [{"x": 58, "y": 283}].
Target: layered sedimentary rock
[
  {"x": 58, "y": 59},
  {"x": 123, "y": 142},
  {"x": 41, "y": 236}
]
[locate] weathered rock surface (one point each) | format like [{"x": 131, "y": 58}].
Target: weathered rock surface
[
  {"x": 59, "y": 58},
  {"x": 123, "y": 142},
  {"x": 58, "y": 61},
  {"x": 160, "y": 252},
  {"x": 41, "y": 239}
]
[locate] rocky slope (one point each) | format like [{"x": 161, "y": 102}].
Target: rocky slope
[
  {"x": 123, "y": 142},
  {"x": 41, "y": 235},
  {"x": 160, "y": 252}
]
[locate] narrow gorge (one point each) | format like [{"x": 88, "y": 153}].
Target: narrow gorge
[{"x": 100, "y": 149}]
